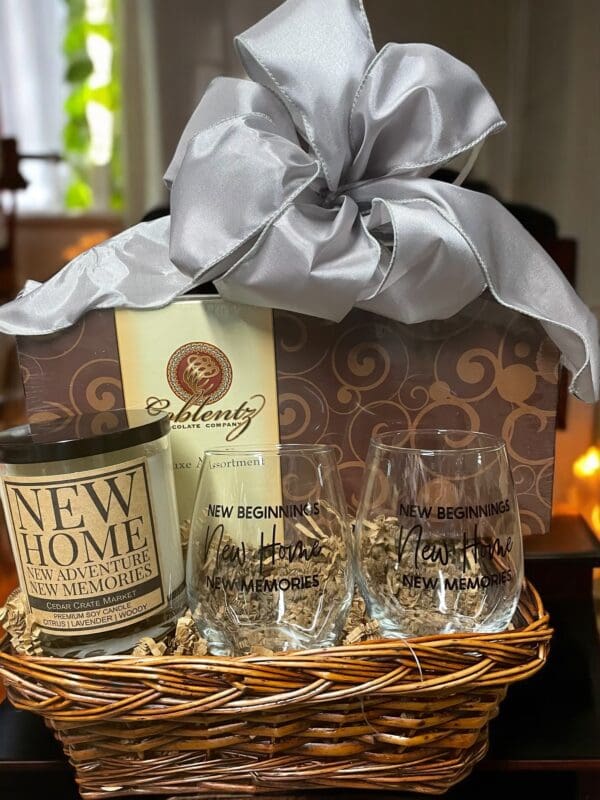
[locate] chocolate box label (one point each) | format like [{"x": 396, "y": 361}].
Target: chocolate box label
[{"x": 211, "y": 367}]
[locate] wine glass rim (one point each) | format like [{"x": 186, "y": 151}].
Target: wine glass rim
[
  {"x": 270, "y": 448},
  {"x": 487, "y": 442}
]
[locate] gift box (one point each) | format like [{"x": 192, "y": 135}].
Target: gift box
[{"x": 232, "y": 373}]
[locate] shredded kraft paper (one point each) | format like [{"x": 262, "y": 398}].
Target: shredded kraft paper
[{"x": 24, "y": 638}]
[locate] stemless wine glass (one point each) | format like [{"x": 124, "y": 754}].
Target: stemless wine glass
[
  {"x": 439, "y": 545},
  {"x": 269, "y": 563}
]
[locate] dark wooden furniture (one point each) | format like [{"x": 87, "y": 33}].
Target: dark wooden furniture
[
  {"x": 12, "y": 181},
  {"x": 551, "y": 723},
  {"x": 546, "y": 739}
]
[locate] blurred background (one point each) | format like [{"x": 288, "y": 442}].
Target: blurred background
[{"x": 95, "y": 93}]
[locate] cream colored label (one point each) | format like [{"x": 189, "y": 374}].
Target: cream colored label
[
  {"x": 86, "y": 548},
  {"x": 210, "y": 365}
]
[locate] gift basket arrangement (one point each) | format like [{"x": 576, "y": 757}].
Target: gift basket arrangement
[{"x": 273, "y": 539}]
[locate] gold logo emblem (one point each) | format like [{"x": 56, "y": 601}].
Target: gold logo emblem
[{"x": 199, "y": 372}]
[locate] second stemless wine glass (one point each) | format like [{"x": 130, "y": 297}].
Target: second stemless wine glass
[
  {"x": 439, "y": 539},
  {"x": 269, "y": 564}
]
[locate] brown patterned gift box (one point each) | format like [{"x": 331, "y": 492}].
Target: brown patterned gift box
[{"x": 234, "y": 373}]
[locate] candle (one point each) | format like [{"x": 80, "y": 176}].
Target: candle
[{"x": 91, "y": 512}]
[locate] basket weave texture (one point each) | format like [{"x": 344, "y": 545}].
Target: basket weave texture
[{"x": 389, "y": 714}]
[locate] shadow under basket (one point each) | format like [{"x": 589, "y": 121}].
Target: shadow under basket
[{"x": 390, "y": 714}]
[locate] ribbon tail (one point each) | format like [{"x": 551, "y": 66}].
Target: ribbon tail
[
  {"x": 131, "y": 270},
  {"x": 248, "y": 174},
  {"x": 520, "y": 275},
  {"x": 497, "y": 252}
]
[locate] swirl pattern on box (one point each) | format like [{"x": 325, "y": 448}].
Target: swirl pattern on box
[{"x": 486, "y": 368}]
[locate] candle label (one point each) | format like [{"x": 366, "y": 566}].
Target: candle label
[{"x": 86, "y": 544}]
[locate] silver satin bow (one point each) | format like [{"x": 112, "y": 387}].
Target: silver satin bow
[{"x": 287, "y": 189}]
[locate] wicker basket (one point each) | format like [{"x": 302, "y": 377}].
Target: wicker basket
[{"x": 388, "y": 714}]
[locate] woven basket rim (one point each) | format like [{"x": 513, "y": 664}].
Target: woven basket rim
[{"x": 533, "y": 613}]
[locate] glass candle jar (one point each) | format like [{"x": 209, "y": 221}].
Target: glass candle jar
[{"x": 91, "y": 512}]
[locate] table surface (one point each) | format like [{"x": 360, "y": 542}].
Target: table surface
[
  {"x": 548, "y": 725},
  {"x": 569, "y": 541}
]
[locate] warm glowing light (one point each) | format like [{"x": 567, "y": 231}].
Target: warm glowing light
[
  {"x": 84, "y": 243},
  {"x": 588, "y": 464},
  {"x": 585, "y": 490},
  {"x": 595, "y": 518}
]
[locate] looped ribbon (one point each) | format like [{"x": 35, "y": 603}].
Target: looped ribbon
[{"x": 308, "y": 188}]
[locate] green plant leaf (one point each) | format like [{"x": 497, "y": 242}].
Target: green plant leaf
[
  {"x": 76, "y": 135},
  {"x": 76, "y": 102},
  {"x": 76, "y": 131},
  {"x": 74, "y": 40},
  {"x": 116, "y": 200},
  {"x": 79, "y": 70},
  {"x": 79, "y": 195},
  {"x": 103, "y": 29},
  {"x": 106, "y": 95},
  {"x": 76, "y": 8}
]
